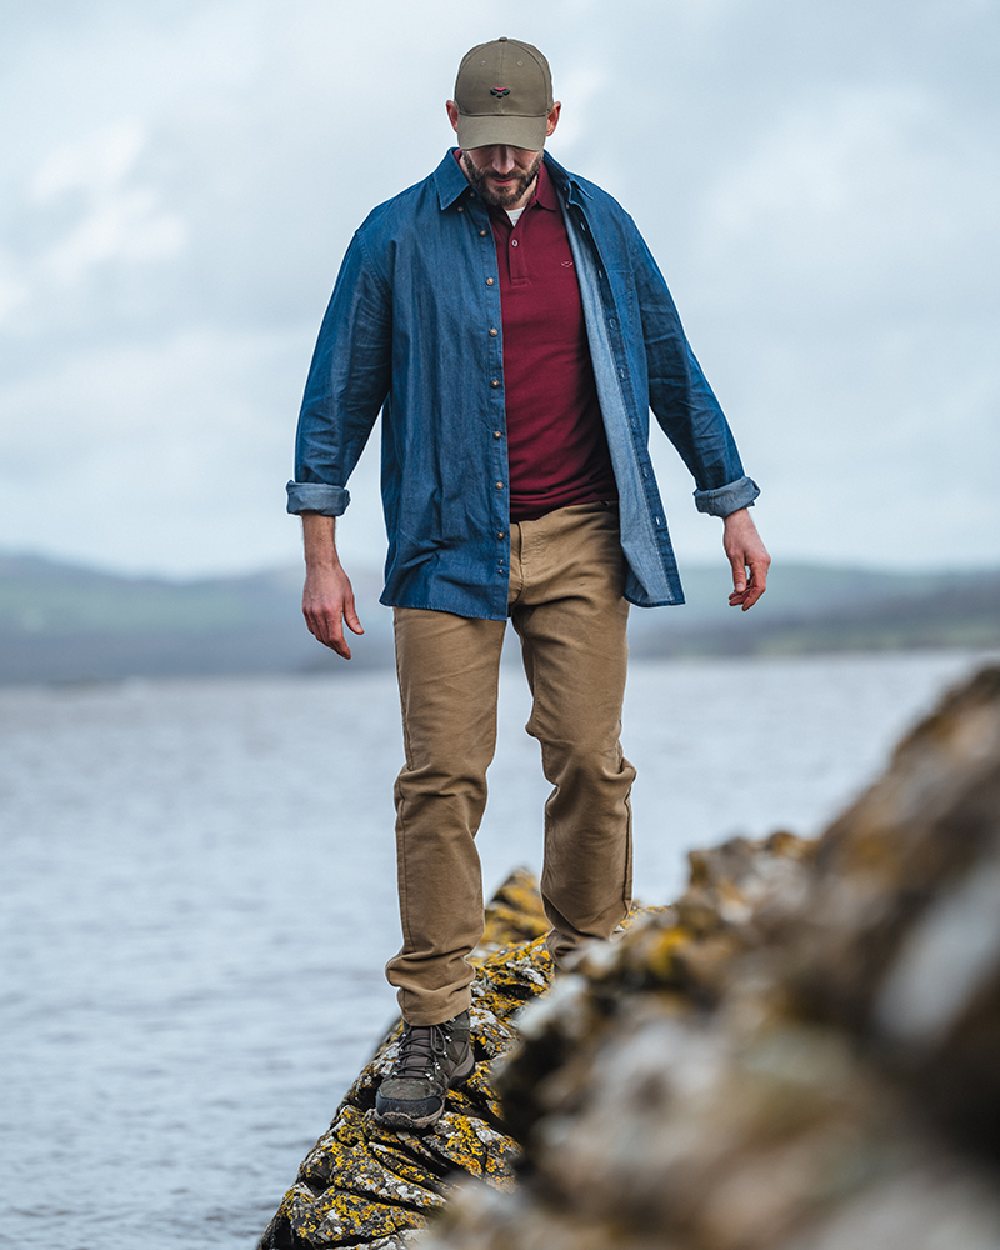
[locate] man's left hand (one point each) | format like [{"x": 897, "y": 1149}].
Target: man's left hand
[{"x": 745, "y": 550}]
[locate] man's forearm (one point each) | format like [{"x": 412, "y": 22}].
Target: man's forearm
[{"x": 319, "y": 540}]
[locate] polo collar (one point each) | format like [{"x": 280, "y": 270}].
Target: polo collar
[{"x": 545, "y": 193}]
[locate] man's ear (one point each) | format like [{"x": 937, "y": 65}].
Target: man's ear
[
  {"x": 451, "y": 108},
  {"x": 553, "y": 118}
]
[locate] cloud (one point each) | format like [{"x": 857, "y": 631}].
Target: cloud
[{"x": 819, "y": 182}]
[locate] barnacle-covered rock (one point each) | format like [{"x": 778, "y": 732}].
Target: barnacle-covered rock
[{"x": 799, "y": 1054}]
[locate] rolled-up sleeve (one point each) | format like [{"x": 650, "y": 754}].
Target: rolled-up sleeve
[
  {"x": 729, "y": 498},
  {"x": 314, "y": 497},
  {"x": 345, "y": 388}
]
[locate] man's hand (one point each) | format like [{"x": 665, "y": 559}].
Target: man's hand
[
  {"x": 328, "y": 601},
  {"x": 745, "y": 550}
]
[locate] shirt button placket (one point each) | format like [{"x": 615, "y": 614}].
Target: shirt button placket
[{"x": 495, "y": 384}]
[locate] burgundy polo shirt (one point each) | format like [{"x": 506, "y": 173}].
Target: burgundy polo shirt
[{"x": 556, "y": 447}]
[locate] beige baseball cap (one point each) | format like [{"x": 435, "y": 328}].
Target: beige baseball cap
[{"x": 504, "y": 95}]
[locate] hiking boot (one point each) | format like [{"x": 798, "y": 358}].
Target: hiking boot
[{"x": 432, "y": 1059}]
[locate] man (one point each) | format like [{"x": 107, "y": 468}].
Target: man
[{"x": 509, "y": 322}]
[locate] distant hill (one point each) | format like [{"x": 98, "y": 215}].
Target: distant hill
[{"x": 62, "y": 622}]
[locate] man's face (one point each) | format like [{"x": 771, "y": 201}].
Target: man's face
[{"x": 502, "y": 175}]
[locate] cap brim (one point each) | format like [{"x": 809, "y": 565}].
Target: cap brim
[{"x": 515, "y": 132}]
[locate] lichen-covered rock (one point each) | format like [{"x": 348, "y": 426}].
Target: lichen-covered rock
[
  {"x": 362, "y": 1185},
  {"x": 803, "y": 1053}
]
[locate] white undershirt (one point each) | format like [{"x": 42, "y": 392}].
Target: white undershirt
[{"x": 513, "y": 214}]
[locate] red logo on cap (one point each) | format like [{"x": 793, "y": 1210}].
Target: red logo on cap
[{"x": 499, "y": 92}]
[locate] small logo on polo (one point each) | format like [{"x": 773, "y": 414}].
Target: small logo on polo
[{"x": 499, "y": 92}]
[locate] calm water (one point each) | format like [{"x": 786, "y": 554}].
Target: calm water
[{"x": 198, "y": 899}]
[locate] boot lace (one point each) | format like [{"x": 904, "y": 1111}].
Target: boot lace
[{"x": 421, "y": 1049}]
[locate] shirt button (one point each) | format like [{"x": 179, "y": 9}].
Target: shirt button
[
  {"x": 482, "y": 234},
  {"x": 513, "y": 242},
  {"x": 499, "y": 485},
  {"x": 489, "y": 281},
  {"x": 500, "y": 533},
  {"x": 494, "y": 382},
  {"x": 493, "y": 332},
  {"x": 461, "y": 208},
  {"x": 496, "y": 434}
]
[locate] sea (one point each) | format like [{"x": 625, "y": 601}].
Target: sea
[{"x": 198, "y": 898}]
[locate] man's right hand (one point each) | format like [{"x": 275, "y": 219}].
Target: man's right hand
[{"x": 328, "y": 601}]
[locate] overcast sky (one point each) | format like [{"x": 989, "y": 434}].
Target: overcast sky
[{"x": 820, "y": 182}]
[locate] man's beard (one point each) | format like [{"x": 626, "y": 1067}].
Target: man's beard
[{"x": 504, "y": 197}]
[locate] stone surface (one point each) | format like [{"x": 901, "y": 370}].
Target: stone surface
[{"x": 800, "y": 1054}]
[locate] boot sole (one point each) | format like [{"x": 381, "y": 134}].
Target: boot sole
[{"x": 411, "y": 1124}]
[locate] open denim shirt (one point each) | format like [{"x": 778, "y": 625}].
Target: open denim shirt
[{"x": 413, "y": 328}]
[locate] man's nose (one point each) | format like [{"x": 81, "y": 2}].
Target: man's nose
[{"x": 503, "y": 158}]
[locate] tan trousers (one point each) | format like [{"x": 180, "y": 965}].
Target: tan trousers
[{"x": 566, "y": 579}]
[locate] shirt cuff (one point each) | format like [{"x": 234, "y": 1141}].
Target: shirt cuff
[
  {"x": 728, "y": 498},
  {"x": 316, "y": 497}
]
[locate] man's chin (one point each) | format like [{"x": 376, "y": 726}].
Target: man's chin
[{"x": 503, "y": 193}]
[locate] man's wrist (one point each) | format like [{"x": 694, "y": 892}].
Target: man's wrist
[{"x": 323, "y": 564}]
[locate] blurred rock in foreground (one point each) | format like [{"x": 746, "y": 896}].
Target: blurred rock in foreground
[
  {"x": 815, "y": 1066},
  {"x": 801, "y": 1053}
]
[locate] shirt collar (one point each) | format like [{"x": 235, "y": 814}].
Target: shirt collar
[{"x": 449, "y": 180}]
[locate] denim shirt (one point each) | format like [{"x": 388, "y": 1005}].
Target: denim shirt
[{"x": 413, "y": 329}]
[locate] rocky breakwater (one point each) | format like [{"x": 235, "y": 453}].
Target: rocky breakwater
[
  {"x": 801, "y": 1053},
  {"x": 364, "y": 1186}
]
